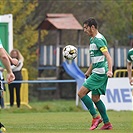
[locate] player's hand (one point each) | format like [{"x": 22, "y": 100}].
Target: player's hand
[
  {"x": 109, "y": 74},
  {"x": 15, "y": 61},
  {"x": 131, "y": 81},
  {"x": 86, "y": 75},
  {"x": 10, "y": 77}
]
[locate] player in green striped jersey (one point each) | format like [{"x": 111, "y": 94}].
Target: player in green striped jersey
[
  {"x": 97, "y": 75},
  {"x": 129, "y": 66}
]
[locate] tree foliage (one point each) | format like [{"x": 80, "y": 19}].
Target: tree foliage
[
  {"x": 24, "y": 35},
  {"x": 114, "y": 18},
  {"x": 117, "y": 21}
]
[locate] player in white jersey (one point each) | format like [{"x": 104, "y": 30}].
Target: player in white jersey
[
  {"x": 97, "y": 75},
  {"x": 6, "y": 60}
]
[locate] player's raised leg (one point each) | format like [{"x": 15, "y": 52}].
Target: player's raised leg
[{"x": 89, "y": 104}]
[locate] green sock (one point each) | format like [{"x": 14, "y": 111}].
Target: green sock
[
  {"x": 89, "y": 104},
  {"x": 102, "y": 110}
]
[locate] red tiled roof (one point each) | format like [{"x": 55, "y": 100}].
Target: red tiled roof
[
  {"x": 60, "y": 21},
  {"x": 58, "y": 15}
]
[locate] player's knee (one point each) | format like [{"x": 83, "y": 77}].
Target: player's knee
[
  {"x": 79, "y": 94},
  {"x": 96, "y": 98},
  {"x": 82, "y": 92}
]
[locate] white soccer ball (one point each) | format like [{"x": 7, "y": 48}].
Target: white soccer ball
[{"x": 70, "y": 52}]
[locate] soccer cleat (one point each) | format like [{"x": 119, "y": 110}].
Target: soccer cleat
[
  {"x": 95, "y": 122},
  {"x": 1, "y": 125},
  {"x": 2, "y": 128},
  {"x": 107, "y": 126}
]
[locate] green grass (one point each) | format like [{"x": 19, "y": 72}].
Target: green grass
[{"x": 59, "y": 117}]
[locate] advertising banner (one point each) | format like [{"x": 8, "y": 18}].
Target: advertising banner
[{"x": 118, "y": 95}]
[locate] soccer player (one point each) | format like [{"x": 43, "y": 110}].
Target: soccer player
[
  {"x": 6, "y": 60},
  {"x": 129, "y": 66},
  {"x": 96, "y": 75}
]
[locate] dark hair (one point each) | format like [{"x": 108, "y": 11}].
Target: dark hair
[{"x": 91, "y": 21}]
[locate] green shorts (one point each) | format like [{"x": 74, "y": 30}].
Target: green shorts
[{"x": 96, "y": 83}]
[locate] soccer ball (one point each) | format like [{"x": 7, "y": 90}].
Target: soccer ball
[{"x": 70, "y": 52}]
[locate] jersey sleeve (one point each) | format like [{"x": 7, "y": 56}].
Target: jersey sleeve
[
  {"x": 129, "y": 57},
  {"x": 103, "y": 49},
  {"x": 101, "y": 45}
]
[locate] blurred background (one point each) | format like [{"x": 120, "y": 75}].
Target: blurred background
[{"x": 41, "y": 41}]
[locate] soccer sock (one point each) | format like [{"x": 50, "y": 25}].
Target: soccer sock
[
  {"x": 102, "y": 110},
  {"x": 89, "y": 104}
]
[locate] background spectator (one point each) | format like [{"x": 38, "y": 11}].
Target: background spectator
[{"x": 18, "y": 76}]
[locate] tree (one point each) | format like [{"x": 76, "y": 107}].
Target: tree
[
  {"x": 24, "y": 34},
  {"x": 114, "y": 17},
  {"x": 117, "y": 21}
]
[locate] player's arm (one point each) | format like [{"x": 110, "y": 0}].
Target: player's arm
[
  {"x": 105, "y": 52},
  {"x": 88, "y": 72},
  {"x": 129, "y": 70},
  {"x": 5, "y": 60},
  {"x": 12, "y": 60}
]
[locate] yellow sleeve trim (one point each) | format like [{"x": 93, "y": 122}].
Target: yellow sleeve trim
[{"x": 104, "y": 49}]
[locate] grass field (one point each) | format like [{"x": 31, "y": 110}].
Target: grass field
[{"x": 59, "y": 117}]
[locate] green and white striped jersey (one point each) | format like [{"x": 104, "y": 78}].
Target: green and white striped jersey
[
  {"x": 99, "y": 62},
  {"x": 1, "y": 46},
  {"x": 130, "y": 55}
]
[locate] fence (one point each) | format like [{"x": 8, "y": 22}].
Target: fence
[
  {"x": 121, "y": 73},
  {"x": 25, "y": 89},
  {"x": 52, "y": 56}
]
